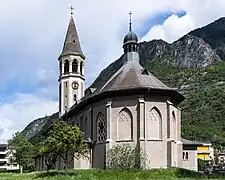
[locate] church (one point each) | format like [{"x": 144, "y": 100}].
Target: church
[{"x": 133, "y": 106}]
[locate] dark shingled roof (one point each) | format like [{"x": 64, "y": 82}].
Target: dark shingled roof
[
  {"x": 132, "y": 75},
  {"x": 189, "y": 142},
  {"x": 72, "y": 43}
]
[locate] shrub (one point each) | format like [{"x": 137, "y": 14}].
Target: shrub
[{"x": 126, "y": 156}]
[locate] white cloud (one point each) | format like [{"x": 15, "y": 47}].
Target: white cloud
[
  {"x": 172, "y": 29},
  {"x": 32, "y": 35},
  {"x": 24, "y": 108}
]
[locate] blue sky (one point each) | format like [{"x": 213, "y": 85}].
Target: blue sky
[
  {"x": 156, "y": 19},
  {"x": 32, "y": 35}
]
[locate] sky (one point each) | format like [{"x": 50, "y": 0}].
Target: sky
[{"x": 32, "y": 35}]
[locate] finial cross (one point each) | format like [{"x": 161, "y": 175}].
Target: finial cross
[
  {"x": 71, "y": 9},
  {"x": 130, "y": 13}
]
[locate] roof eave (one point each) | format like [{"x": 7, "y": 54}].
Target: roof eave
[
  {"x": 69, "y": 54},
  {"x": 99, "y": 96}
]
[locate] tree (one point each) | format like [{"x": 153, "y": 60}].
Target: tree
[
  {"x": 21, "y": 149},
  {"x": 50, "y": 151},
  {"x": 65, "y": 141},
  {"x": 126, "y": 156}
]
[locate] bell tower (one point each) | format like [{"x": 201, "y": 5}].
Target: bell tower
[{"x": 71, "y": 67}]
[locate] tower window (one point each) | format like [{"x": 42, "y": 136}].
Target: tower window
[
  {"x": 66, "y": 66},
  {"x": 129, "y": 48},
  {"x": 74, "y": 66},
  {"x": 81, "y": 68},
  {"x": 75, "y": 97},
  {"x": 66, "y": 97}
]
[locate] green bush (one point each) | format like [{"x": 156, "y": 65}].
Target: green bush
[{"x": 126, "y": 156}]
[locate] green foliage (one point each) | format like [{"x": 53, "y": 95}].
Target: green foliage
[
  {"x": 126, "y": 156},
  {"x": 50, "y": 150},
  {"x": 65, "y": 141},
  {"x": 201, "y": 165},
  {"x": 164, "y": 174},
  {"x": 22, "y": 150}
]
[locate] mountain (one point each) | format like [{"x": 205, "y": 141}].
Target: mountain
[
  {"x": 214, "y": 35},
  {"x": 38, "y": 129},
  {"x": 193, "y": 64}
]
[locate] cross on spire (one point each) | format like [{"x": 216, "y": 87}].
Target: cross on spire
[
  {"x": 71, "y": 9},
  {"x": 130, "y": 13}
]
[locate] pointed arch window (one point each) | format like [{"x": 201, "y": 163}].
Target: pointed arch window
[
  {"x": 125, "y": 125},
  {"x": 101, "y": 128},
  {"x": 66, "y": 66},
  {"x": 74, "y": 66},
  {"x": 81, "y": 67},
  {"x": 154, "y": 124}
]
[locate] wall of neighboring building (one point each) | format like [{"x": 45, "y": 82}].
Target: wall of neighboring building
[
  {"x": 189, "y": 157},
  {"x": 7, "y": 161}
]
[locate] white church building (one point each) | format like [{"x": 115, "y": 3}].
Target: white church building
[{"x": 133, "y": 106}]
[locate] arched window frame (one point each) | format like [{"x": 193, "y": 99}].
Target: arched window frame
[
  {"x": 149, "y": 119},
  {"x": 120, "y": 117},
  {"x": 101, "y": 128},
  {"x": 75, "y": 66},
  {"x": 66, "y": 66}
]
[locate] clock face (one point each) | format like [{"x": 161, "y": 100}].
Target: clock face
[{"x": 75, "y": 85}]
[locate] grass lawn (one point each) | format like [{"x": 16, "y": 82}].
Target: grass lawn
[{"x": 167, "y": 174}]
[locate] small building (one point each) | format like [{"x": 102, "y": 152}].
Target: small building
[
  {"x": 190, "y": 154},
  {"x": 7, "y": 161}
]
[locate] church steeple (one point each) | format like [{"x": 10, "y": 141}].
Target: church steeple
[
  {"x": 72, "y": 43},
  {"x": 71, "y": 66}
]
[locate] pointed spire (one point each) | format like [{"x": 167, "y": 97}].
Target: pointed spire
[
  {"x": 72, "y": 43},
  {"x": 130, "y": 24}
]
